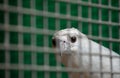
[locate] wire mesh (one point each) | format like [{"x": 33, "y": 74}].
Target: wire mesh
[{"x": 27, "y": 26}]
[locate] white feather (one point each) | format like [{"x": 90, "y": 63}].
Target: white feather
[{"x": 85, "y": 55}]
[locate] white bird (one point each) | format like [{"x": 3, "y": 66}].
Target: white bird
[{"x": 92, "y": 60}]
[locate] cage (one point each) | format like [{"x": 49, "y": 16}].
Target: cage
[{"x": 27, "y": 27}]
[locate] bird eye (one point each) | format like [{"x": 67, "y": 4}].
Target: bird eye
[
  {"x": 73, "y": 39},
  {"x": 54, "y": 42}
]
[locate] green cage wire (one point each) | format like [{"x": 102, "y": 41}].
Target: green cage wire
[{"x": 27, "y": 26}]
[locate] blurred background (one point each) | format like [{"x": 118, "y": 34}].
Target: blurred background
[{"x": 27, "y": 26}]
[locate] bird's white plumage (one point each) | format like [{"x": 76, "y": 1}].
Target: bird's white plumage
[{"x": 85, "y": 55}]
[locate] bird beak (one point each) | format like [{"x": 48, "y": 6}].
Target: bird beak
[{"x": 55, "y": 44}]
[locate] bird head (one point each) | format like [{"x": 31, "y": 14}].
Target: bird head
[{"x": 67, "y": 40}]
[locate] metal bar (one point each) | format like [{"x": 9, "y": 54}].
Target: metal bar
[
  {"x": 45, "y": 23},
  {"x": 49, "y": 68},
  {"x": 49, "y": 32},
  {"x": 80, "y": 28},
  {"x": 6, "y": 43},
  {"x": 100, "y": 42},
  {"x": 68, "y": 14},
  {"x": 33, "y": 39},
  {"x": 25, "y": 29},
  {"x": 119, "y": 33},
  {"x": 48, "y": 50},
  {"x": 57, "y": 21},
  {"x": 80, "y": 16},
  {"x": 110, "y": 36},
  {"x": 69, "y": 63},
  {"x": 57, "y": 24},
  {"x": 90, "y": 33},
  {"x": 20, "y": 41}
]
